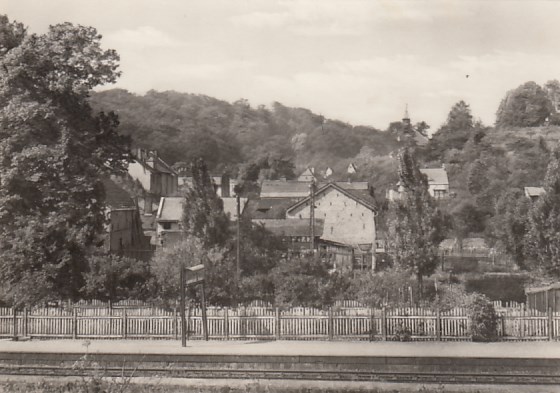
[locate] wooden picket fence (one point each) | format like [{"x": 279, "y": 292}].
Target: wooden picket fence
[{"x": 416, "y": 324}]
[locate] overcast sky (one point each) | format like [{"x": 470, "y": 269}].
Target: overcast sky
[{"x": 359, "y": 61}]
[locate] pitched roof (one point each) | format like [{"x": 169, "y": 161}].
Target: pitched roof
[
  {"x": 151, "y": 161},
  {"x": 308, "y": 172},
  {"x": 170, "y": 209},
  {"x": 534, "y": 191},
  {"x": 284, "y": 188},
  {"x": 268, "y": 208},
  {"x": 292, "y": 227},
  {"x": 360, "y": 196},
  {"x": 436, "y": 175},
  {"x": 350, "y": 185},
  {"x": 300, "y": 189},
  {"x": 116, "y": 197},
  {"x": 474, "y": 243}
]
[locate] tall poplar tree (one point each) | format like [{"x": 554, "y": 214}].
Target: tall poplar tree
[
  {"x": 415, "y": 222},
  {"x": 203, "y": 210},
  {"x": 543, "y": 235},
  {"x": 53, "y": 151}
]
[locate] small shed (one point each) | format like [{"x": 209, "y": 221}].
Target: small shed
[{"x": 543, "y": 298}]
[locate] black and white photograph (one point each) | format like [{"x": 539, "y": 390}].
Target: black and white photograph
[{"x": 279, "y": 196}]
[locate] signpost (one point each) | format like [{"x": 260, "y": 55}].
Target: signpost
[{"x": 193, "y": 275}]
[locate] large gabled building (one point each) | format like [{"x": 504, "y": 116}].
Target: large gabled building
[
  {"x": 125, "y": 235},
  {"x": 348, "y": 216},
  {"x": 157, "y": 178}
]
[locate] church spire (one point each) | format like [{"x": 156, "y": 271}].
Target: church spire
[{"x": 406, "y": 118}]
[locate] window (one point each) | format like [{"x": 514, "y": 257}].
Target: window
[
  {"x": 363, "y": 226},
  {"x": 332, "y": 230},
  {"x": 166, "y": 225},
  {"x": 439, "y": 194}
]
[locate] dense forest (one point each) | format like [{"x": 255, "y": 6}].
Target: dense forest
[
  {"x": 238, "y": 138},
  {"x": 487, "y": 165}
]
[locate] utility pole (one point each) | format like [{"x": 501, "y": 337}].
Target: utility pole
[
  {"x": 183, "y": 317},
  {"x": 238, "y": 266},
  {"x": 312, "y": 214}
]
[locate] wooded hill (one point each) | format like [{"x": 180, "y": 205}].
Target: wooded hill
[{"x": 233, "y": 136}]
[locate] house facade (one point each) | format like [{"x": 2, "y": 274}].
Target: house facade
[
  {"x": 348, "y": 216},
  {"x": 170, "y": 213},
  {"x": 223, "y": 185},
  {"x": 438, "y": 184}
]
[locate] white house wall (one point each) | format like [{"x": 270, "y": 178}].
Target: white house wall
[
  {"x": 346, "y": 221},
  {"x": 138, "y": 172}
]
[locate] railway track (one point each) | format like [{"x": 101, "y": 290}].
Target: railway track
[{"x": 376, "y": 369}]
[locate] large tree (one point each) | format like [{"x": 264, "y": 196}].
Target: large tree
[
  {"x": 415, "y": 222},
  {"x": 53, "y": 151},
  {"x": 526, "y": 106}
]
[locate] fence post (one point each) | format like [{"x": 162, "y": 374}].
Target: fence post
[
  {"x": 522, "y": 324},
  {"x": 25, "y": 322},
  {"x": 384, "y": 323},
  {"x": 331, "y": 324},
  {"x": 124, "y": 323},
  {"x": 15, "y": 338},
  {"x": 550, "y": 325},
  {"x": 438, "y": 324},
  {"x": 226, "y": 323},
  {"x": 74, "y": 323},
  {"x": 175, "y": 323},
  {"x": 373, "y": 329},
  {"x": 278, "y": 324}
]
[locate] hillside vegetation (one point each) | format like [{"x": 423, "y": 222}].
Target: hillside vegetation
[{"x": 232, "y": 136}]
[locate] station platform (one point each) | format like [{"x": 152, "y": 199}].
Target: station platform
[
  {"x": 417, "y": 363},
  {"x": 540, "y": 349}
]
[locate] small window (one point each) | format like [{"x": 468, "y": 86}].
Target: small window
[
  {"x": 362, "y": 214},
  {"x": 350, "y": 214},
  {"x": 332, "y": 230},
  {"x": 166, "y": 225},
  {"x": 363, "y": 226},
  {"x": 330, "y": 203},
  {"x": 300, "y": 216}
]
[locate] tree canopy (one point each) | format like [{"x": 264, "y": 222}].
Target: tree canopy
[
  {"x": 53, "y": 152},
  {"x": 526, "y": 106}
]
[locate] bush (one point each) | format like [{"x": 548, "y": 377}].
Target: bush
[{"x": 483, "y": 318}]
